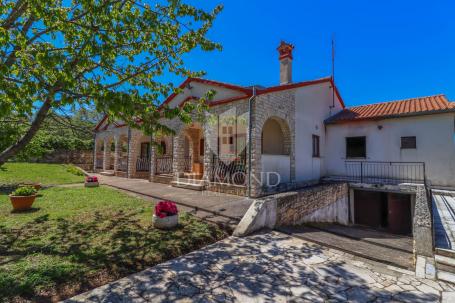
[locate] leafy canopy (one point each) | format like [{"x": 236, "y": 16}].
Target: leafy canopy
[{"x": 112, "y": 53}]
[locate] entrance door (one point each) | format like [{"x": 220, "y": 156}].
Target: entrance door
[
  {"x": 368, "y": 208},
  {"x": 399, "y": 214}
]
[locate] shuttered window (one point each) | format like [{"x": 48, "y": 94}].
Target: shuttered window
[{"x": 408, "y": 143}]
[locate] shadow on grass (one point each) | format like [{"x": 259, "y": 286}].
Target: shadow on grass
[
  {"x": 51, "y": 259},
  {"x": 25, "y": 211}
]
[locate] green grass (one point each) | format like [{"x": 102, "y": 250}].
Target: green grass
[
  {"x": 46, "y": 174},
  {"x": 75, "y": 239}
]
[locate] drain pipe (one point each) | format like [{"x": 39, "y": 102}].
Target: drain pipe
[{"x": 250, "y": 131}]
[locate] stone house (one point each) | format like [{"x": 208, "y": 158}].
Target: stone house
[{"x": 300, "y": 133}]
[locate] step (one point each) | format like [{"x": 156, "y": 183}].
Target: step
[
  {"x": 445, "y": 252},
  {"x": 445, "y": 260},
  {"x": 188, "y": 185},
  {"x": 446, "y": 276},
  {"x": 107, "y": 173},
  {"x": 359, "y": 248}
]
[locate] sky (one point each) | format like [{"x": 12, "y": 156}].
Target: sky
[{"x": 385, "y": 50}]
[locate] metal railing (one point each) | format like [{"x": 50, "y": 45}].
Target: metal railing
[
  {"x": 381, "y": 172},
  {"x": 187, "y": 164},
  {"x": 99, "y": 162},
  {"x": 122, "y": 164},
  {"x": 231, "y": 170},
  {"x": 143, "y": 164},
  {"x": 163, "y": 165}
]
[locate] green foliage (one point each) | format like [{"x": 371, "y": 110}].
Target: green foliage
[
  {"x": 112, "y": 54},
  {"x": 24, "y": 191},
  {"x": 86, "y": 237},
  {"x": 74, "y": 170}
]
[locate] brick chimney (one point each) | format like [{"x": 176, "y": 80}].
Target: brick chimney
[{"x": 285, "y": 51}]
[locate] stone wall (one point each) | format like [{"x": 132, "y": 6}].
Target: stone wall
[
  {"x": 81, "y": 158},
  {"x": 297, "y": 207}
]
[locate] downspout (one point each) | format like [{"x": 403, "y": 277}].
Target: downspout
[{"x": 250, "y": 131}]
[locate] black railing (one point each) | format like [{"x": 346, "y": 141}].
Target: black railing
[
  {"x": 99, "y": 163},
  {"x": 163, "y": 165},
  {"x": 187, "y": 164},
  {"x": 379, "y": 172},
  {"x": 228, "y": 169},
  {"x": 143, "y": 164},
  {"x": 122, "y": 164}
]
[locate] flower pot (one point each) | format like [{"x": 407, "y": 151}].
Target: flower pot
[
  {"x": 166, "y": 222},
  {"x": 91, "y": 184},
  {"x": 22, "y": 202}
]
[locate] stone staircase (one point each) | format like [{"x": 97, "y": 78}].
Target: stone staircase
[
  {"x": 109, "y": 173},
  {"x": 444, "y": 229},
  {"x": 187, "y": 183}
]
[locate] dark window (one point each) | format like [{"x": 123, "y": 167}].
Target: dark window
[
  {"x": 231, "y": 140},
  {"x": 163, "y": 147},
  {"x": 408, "y": 143},
  {"x": 145, "y": 150},
  {"x": 201, "y": 147},
  {"x": 356, "y": 147},
  {"x": 316, "y": 146}
]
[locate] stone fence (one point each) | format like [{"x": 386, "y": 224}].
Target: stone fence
[{"x": 81, "y": 158}]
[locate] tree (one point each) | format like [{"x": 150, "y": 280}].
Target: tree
[{"x": 110, "y": 53}]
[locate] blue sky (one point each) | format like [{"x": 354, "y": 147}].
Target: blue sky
[{"x": 385, "y": 50}]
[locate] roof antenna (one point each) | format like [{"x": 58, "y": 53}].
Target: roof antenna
[{"x": 333, "y": 70}]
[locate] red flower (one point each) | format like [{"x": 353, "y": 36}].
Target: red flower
[
  {"x": 91, "y": 179},
  {"x": 165, "y": 208}
]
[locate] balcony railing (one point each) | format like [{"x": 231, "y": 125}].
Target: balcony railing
[
  {"x": 379, "y": 172},
  {"x": 163, "y": 165},
  {"x": 230, "y": 170},
  {"x": 99, "y": 162},
  {"x": 143, "y": 164},
  {"x": 122, "y": 164}
]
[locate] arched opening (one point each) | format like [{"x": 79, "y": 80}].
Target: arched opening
[
  {"x": 274, "y": 137},
  {"x": 275, "y": 150}
]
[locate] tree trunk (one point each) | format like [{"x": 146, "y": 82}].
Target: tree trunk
[{"x": 27, "y": 137}]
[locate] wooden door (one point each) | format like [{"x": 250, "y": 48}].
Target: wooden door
[
  {"x": 399, "y": 214},
  {"x": 368, "y": 208}
]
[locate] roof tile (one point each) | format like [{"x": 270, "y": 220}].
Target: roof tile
[{"x": 393, "y": 109}]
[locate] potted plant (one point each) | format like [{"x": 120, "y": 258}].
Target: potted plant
[
  {"x": 166, "y": 215},
  {"x": 23, "y": 197},
  {"x": 91, "y": 181}
]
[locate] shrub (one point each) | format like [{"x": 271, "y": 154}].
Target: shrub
[
  {"x": 74, "y": 170},
  {"x": 24, "y": 191}
]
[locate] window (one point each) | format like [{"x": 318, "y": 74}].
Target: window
[
  {"x": 356, "y": 147},
  {"x": 408, "y": 143},
  {"x": 316, "y": 153},
  {"x": 201, "y": 147}
]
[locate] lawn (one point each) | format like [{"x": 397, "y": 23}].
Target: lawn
[
  {"x": 47, "y": 174},
  {"x": 75, "y": 239}
]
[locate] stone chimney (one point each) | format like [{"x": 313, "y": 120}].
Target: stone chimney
[{"x": 285, "y": 51}]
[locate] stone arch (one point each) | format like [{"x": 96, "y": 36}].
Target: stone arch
[{"x": 275, "y": 137}]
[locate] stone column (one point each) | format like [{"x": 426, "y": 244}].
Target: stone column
[
  {"x": 208, "y": 157},
  {"x": 95, "y": 151},
  {"x": 133, "y": 152},
  {"x": 107, "y": 154},
  {"x": 116, "y": 152},
  {"x": 178, "y": 165},
  {"x": 152, "y": 159}
]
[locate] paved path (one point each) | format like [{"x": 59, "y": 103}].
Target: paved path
[
  {"x": 218, "y": 207},
  {"x": 444, "y": 219},
  {"x": 270, "y": 267}
]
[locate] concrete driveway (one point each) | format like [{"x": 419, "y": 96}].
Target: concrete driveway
[
  {"x": 270, "y": 267},
  {"x": 217, "y": 207}
]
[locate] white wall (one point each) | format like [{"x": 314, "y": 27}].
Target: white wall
[
  {"x": 280, "y": 164},
  {"x": 312, "y": 105},
  {"x": 435, "y": 136}
]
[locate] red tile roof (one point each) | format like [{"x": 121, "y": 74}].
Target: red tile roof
[{"x": 394, "y": 109}]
